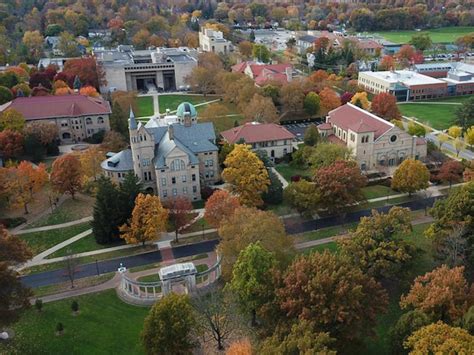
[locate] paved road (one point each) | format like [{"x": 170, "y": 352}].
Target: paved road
[{"x": 292, "y": 227}]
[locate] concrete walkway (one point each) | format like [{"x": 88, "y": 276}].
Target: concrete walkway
[
  {"x": 55, "y": 226},
  {"x": 114, "y": 282},
  {"x": 280, "y": 177}
]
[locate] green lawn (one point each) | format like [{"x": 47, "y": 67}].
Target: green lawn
[
  {"x": 40, "y": 241},
  {"x": 69, "y": 210},
  {"x": 325, "y": 232},
  {"x": 376, "y": 191},
  {"x": 332, "y": 247},
  {"x": 288, "y": 170},
  {"x": 105, "y": 325},
  {"x": 439, "y": 35},
  {"x": 171, "y": 102},
  {"x": 145, "y": 106},
  {"x": 436, "y": 116},
  {"x": 83, "y": 245}
]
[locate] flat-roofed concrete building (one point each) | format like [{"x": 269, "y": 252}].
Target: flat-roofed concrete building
[
  {"x": 213, "y": 41},
  {"x": 405, "y": 85},
  {"x": 158, "y": 69}
]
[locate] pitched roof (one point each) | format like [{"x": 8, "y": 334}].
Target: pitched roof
[
  {"x": 358, "y": 120},
  {"x": 257, "y": 132},
  {"x": 122, "y": 161},
  {"x": 41, "y": 107}
]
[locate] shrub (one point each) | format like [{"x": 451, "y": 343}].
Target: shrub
[
  {"x": 75, "y": 306},
  {"x": 59, "y": 328},
  {"x": 39, "y": 304},
  {"x": 12, "y": 222}
]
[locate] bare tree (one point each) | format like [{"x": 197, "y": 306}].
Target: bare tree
[
  {"x": 451, "y": 249},
  {"x": 218, "y": 315},
  {"x": 71, "y": 263}
]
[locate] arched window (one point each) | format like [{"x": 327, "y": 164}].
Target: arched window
[
  {"x": 100, "y": 120},
  {"x": 88, "y": 120},
  {"x": 177, "y": 165},
  {"x": 66, "y": 135}
]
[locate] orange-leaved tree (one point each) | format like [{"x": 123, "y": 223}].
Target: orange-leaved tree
[
  {"x": 385, "y": 105},
  {"x": 27, "y": 181},
  {"x": 329, "y": 100},
  {"x": 90, "y": 162},
  {"x": 66, "y": 174},
  {"x": 220, "y": 206},
  {"x": 149, "y": 218}
]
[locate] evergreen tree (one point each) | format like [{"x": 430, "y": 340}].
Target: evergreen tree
[
  {"x": 77, "y": 83},
  {"x": 118, "y": 121},
  {"x": 129, "y": 190},
  {"x": 274, "y": 195},
  {"x": 252, "y": 36},
  {"x": 107, "y": 214}
]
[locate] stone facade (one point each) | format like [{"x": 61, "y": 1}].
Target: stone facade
[
  {"x": 374, "y": 142},
  {"x": 171, "y": 158},
  {"x": 214, "y": 41}
]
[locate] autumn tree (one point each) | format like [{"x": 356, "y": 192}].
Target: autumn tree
[
  {"x": 249, "y": 225},
  {"x": 149, "y": 219},
  {"x": 415, "y": 129},
  {"x": 312, "y": 103},
  {"x": 219, "y": 206},
  {"x": 442, "y": 294},
  {"x": 421, "y": 41},
  {"x": 303, "y": 196},
  {"x": 261, "y": 109},
  {"x": 179, "y": 210},
  {"x": 14, "y": 295},
  {"x": 411, "y": 176},
  {"x": 440, "y": 338},
  {"x": 385, "y": 105},
  {"x": 360, "y": 100},
  {"x": 252, "y": 279},
  {"x": 88, "y": 91},
  {"x": 240, "y": 347},
  {"x": 455, "y": 131},
  {"x": 339, "y": 185},
  {"x": 202, "y": 80},
  {"x": 301, "y": 339},
  {"x": 332, "y": 294},
  {"x": 261, "y": 53},
  {"x": 311, "y": 135},
  {"x": 33, "y": 40},
  {"x": 6, "y": 95},
  {"x": 451, "y": 172},
  {"x": 12, "y": 119},
  {"x": 126, "y": 100},
  {"x": 329, "y": 100},
  {"x": 245, "y": 49},
  {"x": 469, "y": 136},
  {"x": 87, "y": 70},
  {"x": 46, "y": 132},
  {"x": 405, "y": 326},
  {"x": 246, "y": 175},
  {"x": 326, "y": 154},
  {"x": 67, "y": 45},
  {"x": 377, "y": 246},
  {"x": 90, "y": 162},
  {"x": 113, "y": 142},
  {"x": 11, "y": 143},
  {"x": 168, "y": 328},
  {"x": 66, "y": 174},
  {"x": 292, "y": 95},
  {"x": 28, "y": 180},
  {"x": 387, "y": 63}
]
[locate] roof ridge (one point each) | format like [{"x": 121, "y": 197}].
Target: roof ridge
[{"x": 368, "y": 114}]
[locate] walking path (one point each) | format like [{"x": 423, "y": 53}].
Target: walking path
[
  {"x": 115, "y": 281},
  {"x": 431, "y": 103},
  {"x": 54, "y": 226},
  {"x": 280, "y": 177}
]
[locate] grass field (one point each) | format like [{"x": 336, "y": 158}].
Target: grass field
[
  {"x": 434, "y": 115},
  {"x": 82, "y": 245},
  {"x": 439, "y": 35},
  {"x": 287, "y": 171},
  {"x": 41, "y": 241},
  {"x": 69, "y": 210},
  {"x": 325, "y": 232},
  {"x": 171, "y": 102},
  {"x": 105, "y": 325},
  {"x": 376, "y": 191},
  {"x": 145, "y": 106}
]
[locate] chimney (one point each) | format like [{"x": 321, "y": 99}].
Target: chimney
[{"x": 171, "y": 132}]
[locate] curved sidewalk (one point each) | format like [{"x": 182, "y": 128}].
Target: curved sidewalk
[{"x": 55, "y": 226}]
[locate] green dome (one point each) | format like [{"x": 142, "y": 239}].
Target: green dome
[{"x": 186, "y": 108}]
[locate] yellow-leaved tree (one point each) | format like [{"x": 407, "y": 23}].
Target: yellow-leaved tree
[
  {"x": 149, "y": 218},
  {"x": 360, "y": 99},
  {"x": 246, "y": 175},
  {"x": 455, "y": 131},
  {"x": 90, "y": 162},
  {"x": 411, "y": 176}
]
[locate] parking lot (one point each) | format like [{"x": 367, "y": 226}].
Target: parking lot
[{"x": 298, "y": 129}]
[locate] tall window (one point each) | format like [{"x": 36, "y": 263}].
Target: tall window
[
  {"x": 177, "y": 164},
  {"x": 88, "y": 120},
  {"x": 100, "y": 120}
]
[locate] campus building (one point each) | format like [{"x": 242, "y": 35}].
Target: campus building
[
  {"x": 76, "y": 116},
  {"x": 214, "y": 41},
  {"x": 405, "y": 85},
  {"x": 272, "y": 138},
  {"x": 375, "y": 143},
  {"x": 265, "y": 73},
  {"x": 158, "y": 69},
  {"x": 172, "y": 156},
  {"x": 458, "y": 76}
]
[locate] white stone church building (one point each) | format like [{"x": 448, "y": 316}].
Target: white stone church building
[
  {"x": 173, "y": 156},
  {"x": 375, "y": 143}
]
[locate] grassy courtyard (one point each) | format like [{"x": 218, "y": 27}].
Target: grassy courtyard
[
  {"x": 144, "y": 106},
  {"x": 41, "y": 241},
  {"x": 377, "y": 191},
  {"x": 105, "y": 325},
  {"x": 438, "y": 35},
  {"x": 438, "y": 116},
  {"x": 288, "y": 170},
  {"x": 145, "y": 103}
]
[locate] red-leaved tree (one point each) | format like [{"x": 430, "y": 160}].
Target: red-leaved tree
[
  {"x": 220, "y": 206},
  {"x": 11, "y": 143},
  {"x": 385, "y": 106},
  {"x": 179, "y": 210}
]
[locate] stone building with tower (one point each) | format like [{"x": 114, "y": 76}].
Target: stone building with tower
[{"x": 173, "y": 155}]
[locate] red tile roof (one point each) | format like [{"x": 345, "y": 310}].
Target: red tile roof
[
  {"x": 264, "y": 72},
  {"x": 324, "y": 126},
  {"x": 40, "y": 107},
  {"x": 257, "y": 132},
  {"x": 333, "y": 139},
  {"x": 358, "y": 120}
]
